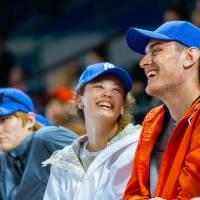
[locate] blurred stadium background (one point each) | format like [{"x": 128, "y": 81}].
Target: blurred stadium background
[{"x": 45, "y": 44}]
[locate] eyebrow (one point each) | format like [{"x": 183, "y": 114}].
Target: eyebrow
[{"x": 148, "y": 47}]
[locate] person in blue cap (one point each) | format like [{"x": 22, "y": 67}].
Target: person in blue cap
[
  {"x": 167, "y": 162},
  {"x": 97, "y": 166},
  {"x": 24, "y": 144}
]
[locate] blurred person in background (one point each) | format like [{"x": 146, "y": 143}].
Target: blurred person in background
[
  {"x": 7, "y": 60},
  {"x": 97, "y": 165},
  {"x": 195, "y": 16},
  {"x": 61, "y": 110},
  {"x": 175, "y": 13},
  {"x": 25, "y": 143},
  {"x": 16, "y": 78},
  {"x": 167, "y": 162},
  {"x": 66, "y": 74},
  {"x": 96, "y": 55},
  {"x": 73, "y": 72}
]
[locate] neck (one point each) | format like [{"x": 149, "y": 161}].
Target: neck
[
  {"x": 99, "y": 134},
  {"x": 180, "y": 102}
]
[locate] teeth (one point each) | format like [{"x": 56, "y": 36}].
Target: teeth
[
  {"x": 151, "y": 73},
  {"x": 105, "y": 104}
]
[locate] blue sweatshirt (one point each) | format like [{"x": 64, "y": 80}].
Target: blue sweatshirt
[{"x": 22, "y": 176}]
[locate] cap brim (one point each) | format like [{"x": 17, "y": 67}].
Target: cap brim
[
  {"x": 9, "y": 109},
  {"x": 137, "y": 39},
  {"x": 6, "y": 112}
]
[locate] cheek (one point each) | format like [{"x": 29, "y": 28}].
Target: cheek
[
  {"x": 15, "y": 129},
  {"x": 119, "y": 103},
  {"x": 165, "y": 59},
  {"x": 9, "y": 127},
  {"x": 12, "y": 140},
  {"x": 13, "y": 133},
  {"x": 89, "y": 97},
  {"x": 18, "y": 137}
]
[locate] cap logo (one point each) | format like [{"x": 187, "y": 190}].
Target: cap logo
[{"x": 108, "y": 66}]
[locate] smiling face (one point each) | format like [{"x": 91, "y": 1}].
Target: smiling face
[
  {"x": 103, "y": 98},
  {"x": 163, "y": 66}
]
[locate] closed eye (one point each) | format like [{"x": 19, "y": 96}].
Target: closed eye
[
  {"x": 3, "y": 119},
  {"x": 98, "y": 86},
  {"x": 155, "y": 51},
  {"x": 117, "y": 90}
]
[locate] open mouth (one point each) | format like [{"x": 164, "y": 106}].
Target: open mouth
[
  {"x": 151, "y": 73},
  {"x": 105, "y": 105},
  {"x": 2, "y": 139}
]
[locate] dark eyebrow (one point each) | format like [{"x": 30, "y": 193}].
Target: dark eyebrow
[{"x": 154, "y": 44}]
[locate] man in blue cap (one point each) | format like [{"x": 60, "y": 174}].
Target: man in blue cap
[
  {"x": 24, "y": 144},
  {"x": 167, "y": 162}
]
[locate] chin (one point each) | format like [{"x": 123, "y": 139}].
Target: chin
[
  {"x": 107, "y": 116},
  {"x": 5, "y": 149},
  {"x": 152, "y": 91}
]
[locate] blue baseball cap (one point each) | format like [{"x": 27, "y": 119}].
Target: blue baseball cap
[
  {"x": 181, "y": 31},
  {"x": 93, "y": 71},
  {"x": 13, "y": 100},
  {"x": 43, "y": 120}
]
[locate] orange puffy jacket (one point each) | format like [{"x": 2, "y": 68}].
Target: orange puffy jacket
[{"x": 179, "y": 175}]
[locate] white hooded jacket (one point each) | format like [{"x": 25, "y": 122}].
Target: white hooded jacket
[{"x": 106, "y": 177}]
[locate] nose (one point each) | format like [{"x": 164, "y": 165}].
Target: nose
[
  {"x": 146, "y": 60},
  {"x": 107, "y": 93}
]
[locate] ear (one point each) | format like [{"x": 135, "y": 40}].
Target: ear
[
  {"x": 31, "y": 120},
  {"x": 192, "y": 56},
  {"x": 79, "y": 102}
]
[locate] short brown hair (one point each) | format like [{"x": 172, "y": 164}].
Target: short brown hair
[
  {"x": 24, "y": 117},
  {"x": 180, "y": 47}
]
